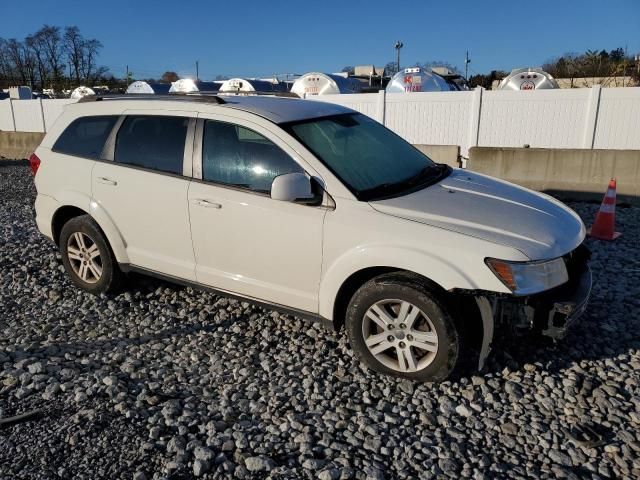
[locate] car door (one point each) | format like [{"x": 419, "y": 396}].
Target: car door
[
  {"x": 245, "y": 242},
  {"x": 143, "y": 187}
]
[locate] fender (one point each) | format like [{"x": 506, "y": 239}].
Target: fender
[
  {"x": 101, "y": 217},
  {"x": 439, "y": 270}
]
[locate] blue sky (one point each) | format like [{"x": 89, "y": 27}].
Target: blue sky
[{"x": 248, "y": 38}]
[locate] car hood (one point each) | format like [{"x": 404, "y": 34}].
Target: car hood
[{"x": 484, "y": 207}]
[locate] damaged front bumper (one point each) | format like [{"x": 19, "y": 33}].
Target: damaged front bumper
[
  {"x": 563, "y": 311},
  {"x": 551, "y": 313}
]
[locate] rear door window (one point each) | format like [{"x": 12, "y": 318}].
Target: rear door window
[
  {"x": 153, "y": 142},
  {"x": 86, "y": 136}
]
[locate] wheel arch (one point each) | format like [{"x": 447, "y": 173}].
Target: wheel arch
[
  {"x": 351, "y": 285},
  {"x": 366, "y": 262},
  {"x": 71, "y": 208},
  {"x": 61, "y": 216},
  {"x": 463, "y": 307}
]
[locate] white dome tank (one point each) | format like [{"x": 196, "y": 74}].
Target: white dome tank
[
  {"x": 148, "y": 88},
  {"x": 82, "y": 91},
  {"x": 417, "y": 79},
  {"x": 187, "y": 85},
  {"x": 243, "y": 85},
  {"x": 315, "y": 83},
  {"x": 528, "y": 79}
]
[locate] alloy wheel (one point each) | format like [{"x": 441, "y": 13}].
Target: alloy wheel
[
  {"x": 84, "y": 257},
  {"x": 400, "y": 335}
]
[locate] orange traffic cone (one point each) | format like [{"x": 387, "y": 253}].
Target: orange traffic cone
[{"x": 604, "y": 226}]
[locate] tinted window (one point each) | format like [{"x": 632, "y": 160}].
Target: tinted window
[
  {"x": 237, "y": 156},
  {"x": 152, "y": 142},
  {"x": 85, "y": 136}
]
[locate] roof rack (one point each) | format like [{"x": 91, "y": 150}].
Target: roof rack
[{"x": 195, "y": 97}]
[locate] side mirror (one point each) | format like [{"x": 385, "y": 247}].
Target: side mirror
[{"x": 291, "y": 187}]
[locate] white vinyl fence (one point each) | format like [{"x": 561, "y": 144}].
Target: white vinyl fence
[
  {"x": 30, "y": 115},
  {"x": 602, "y": 118}
]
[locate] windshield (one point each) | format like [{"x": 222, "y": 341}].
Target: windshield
[{"x": 371, "y": 160}]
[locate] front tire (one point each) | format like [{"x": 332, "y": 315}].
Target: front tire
[
  {"x": 87, "y": 256},
  {"x": 398, "y": 326}
]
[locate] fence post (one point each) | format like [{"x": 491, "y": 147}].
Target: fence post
[
  {"x": 44, "y": 124},
  {"x": 592, "y": 117},
  {"x": 380, "y": 110},
  {"x": 474, "y": 119},
  {"x": 13, "y": 115}
]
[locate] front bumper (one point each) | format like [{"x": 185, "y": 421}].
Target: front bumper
[
  {"x": 561, "y": 311},
  {"x": 552, "y": 312}
]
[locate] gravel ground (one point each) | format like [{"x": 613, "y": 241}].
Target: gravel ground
[{"x": 164, "y": 381}]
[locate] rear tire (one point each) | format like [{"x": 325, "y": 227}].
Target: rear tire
[
  {"x": 87, "y": 256},
  {"x": 398, "y": 326}
]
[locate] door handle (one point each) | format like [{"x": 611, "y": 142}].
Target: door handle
[
  {"x": 206, "y": 203},
  {"x": 106, "y": 181}
]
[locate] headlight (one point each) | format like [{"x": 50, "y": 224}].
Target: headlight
[{"x": 526, "y": 278}]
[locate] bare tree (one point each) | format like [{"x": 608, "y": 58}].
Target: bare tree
[
  {"x": 6, "y": 68},
  {"x": 40, "y": 60},
  {"x": 32, "y": 42},
  {"x": 73, "y": 42},
  {"x": 603, "y": 67},
  {"x": 22, "y": 60},
  {"x": 169, "y": 77},
  {"x": 51, "y": 43},
  {"x": 82, "y": 54},
  {"x": 90, "y": 50}
]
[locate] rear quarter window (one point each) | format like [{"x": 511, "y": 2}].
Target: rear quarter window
[{"x": 86, "y": 136}]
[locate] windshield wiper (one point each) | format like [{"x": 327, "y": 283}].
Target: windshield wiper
[
  {"x": 428, "y": 175},
  {"x": 425, "y": 174}
]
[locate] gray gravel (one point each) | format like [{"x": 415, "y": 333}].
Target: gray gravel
[{"x": 163, "y": 381}]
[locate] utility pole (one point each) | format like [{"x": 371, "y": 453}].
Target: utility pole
[
  {"x": 399, "y": 45},
  {"x": 197, "y": 71},
  {"x": 127, "y": 76},
  {"x": 467, "y": 61}
]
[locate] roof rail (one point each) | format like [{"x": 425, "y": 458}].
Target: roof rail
[
  {"x": 260, "y": 93},
  {"x": 195, "y": 97}
]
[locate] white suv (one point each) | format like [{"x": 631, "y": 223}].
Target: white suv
[{"x": 311, "y": 208}]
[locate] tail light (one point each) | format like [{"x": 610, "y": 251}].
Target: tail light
[{"x": 34, "y": 163}]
